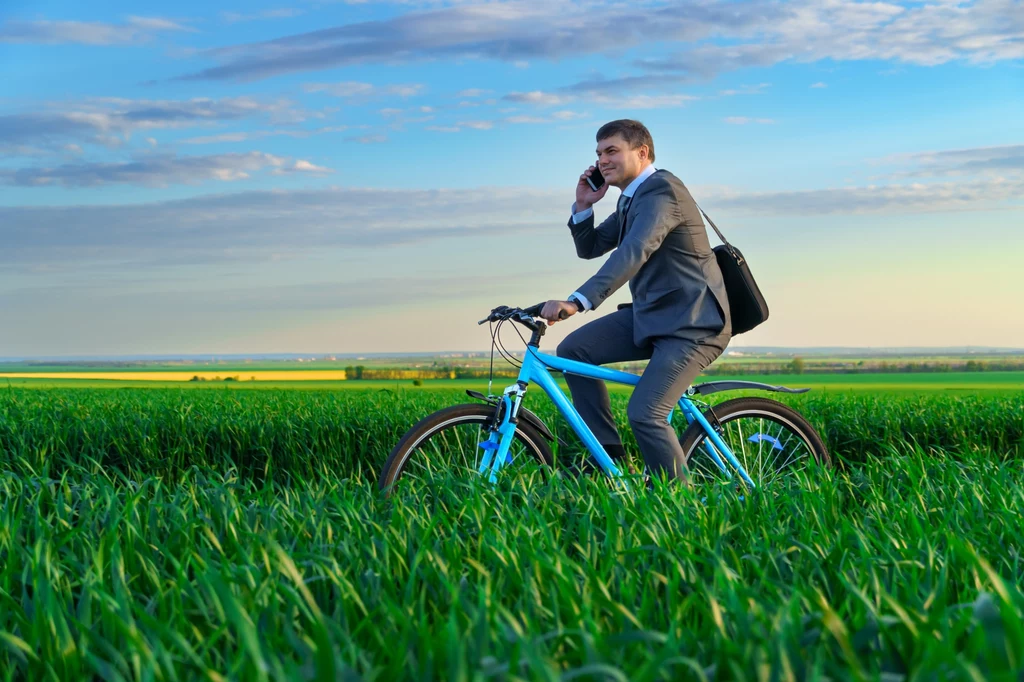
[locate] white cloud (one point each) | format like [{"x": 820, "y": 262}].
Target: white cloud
[
  {"x": 642, "y": 101},
  {"x": 596, "y": 93},
  {"x": 819, "y": 84},
  {"x": 745, "y": 90},
  {"x": 250, "y": 222},
  {"x": 368, "y": 139},
  {"x": 746, "y": 33},
  {"x": 282, "y": 13},
  {"x": 301, "y": 166},
  {"x": 889, "y": 199},
  {"x": 526, "y": 119},
  {"x": 133, "y": 30},
  {"x": 362, "y": 91},
  {"x": 110, "y": 121},
  {"x": 156, "y": 170},
  {"x": 537, "y": 97},
  {"x": 1000, "y": 160}
]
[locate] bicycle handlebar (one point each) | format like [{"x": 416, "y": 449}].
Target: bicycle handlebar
[{"x": 522, "y": 315}]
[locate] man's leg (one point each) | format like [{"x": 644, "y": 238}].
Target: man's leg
[
  {"x": 606, "y": 339},
  {"x": 674, "y": 365}
]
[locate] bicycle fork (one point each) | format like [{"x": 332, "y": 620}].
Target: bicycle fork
[{"x": 502, "y": 431}]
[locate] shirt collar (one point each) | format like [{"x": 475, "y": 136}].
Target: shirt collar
[{"x": 644, "y": 174}]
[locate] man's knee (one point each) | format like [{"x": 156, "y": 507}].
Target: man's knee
[
  {"x": 643, "y": 414},
  {"x": 570, "y": 348}
]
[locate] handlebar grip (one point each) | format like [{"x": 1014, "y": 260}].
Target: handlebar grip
[
  {"x": 562, "y": 314},
  {"x": 534, "y": 310}
]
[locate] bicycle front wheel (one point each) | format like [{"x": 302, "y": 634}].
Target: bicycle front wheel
[
  {"x": 447, "y": 443},
  {"x": 770, "y": 440}
]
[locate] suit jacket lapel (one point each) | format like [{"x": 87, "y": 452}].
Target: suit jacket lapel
[{"x": 624, "y": 221}]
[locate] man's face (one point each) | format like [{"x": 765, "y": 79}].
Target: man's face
[{"x": 618, "y": 163}]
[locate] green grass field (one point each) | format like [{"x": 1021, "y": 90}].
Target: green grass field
[
  {"x": 177, "y": 534},
  {"x": 909, "y": 383}
]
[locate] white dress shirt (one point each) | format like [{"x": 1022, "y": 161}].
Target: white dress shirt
[{"x": 583, "y": 215}]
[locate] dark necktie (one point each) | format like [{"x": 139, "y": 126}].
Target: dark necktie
[{"x": 623, "y": 206}]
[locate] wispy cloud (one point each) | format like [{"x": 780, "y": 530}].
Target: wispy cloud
[
  {"x": 109, "y": 121},
  {"x": 601, "y": 94},
  {"x": 132, "y": 31},
  {"x": 819, "y": 84},
  {"x": 248, "y": 224},
  {"x": 281, "y": 13},
  {"x": 365, "y": 91},
  {"x": 996, "y": 160},
  {"x": 893, "y": 198},
  {"x": 158, "y": 170},
  {"x": 301, "y": 166},
  {"x": 368, "y": 139},
  {"x": 537, "y": 97},
  {"x": 517, "y": 119},
  {"x": 753, "y": 33},
  {"x": 745, "y": 90},
  {"x": 260, "y": 134}
]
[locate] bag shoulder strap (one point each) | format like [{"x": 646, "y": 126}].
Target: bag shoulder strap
[
  {"x": 737, "y": 256},
  {"x": 712, "y": 223}
]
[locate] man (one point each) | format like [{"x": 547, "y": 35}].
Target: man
[{"x": 679, "y": 317}]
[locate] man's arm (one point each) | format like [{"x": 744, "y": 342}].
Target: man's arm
[
  {"x": 591, "y": 242},
  {"x": 656, "y": 214}
]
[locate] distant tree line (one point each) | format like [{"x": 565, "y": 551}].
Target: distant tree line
[{"x": 796, "y": 365}]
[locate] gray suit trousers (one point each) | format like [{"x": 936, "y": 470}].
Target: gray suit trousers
[{"x": 674, "y": 364}]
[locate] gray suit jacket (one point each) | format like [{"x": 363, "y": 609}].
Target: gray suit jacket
[{"x": 665, "y": 256}]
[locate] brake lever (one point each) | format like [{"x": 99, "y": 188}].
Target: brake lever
[{"x": 502, "y": 309}]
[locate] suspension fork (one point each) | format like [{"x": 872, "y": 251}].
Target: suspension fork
[{"x": 502, "y": 432}]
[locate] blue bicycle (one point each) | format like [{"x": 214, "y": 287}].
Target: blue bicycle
[{"x": 753, "y": 438}]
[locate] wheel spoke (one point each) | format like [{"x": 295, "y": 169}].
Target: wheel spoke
[
  {"x": 453, "y": 448},
  {"x": 769, "y": 448}
]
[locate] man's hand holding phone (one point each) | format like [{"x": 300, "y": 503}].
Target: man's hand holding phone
[{"x": 587, "y": 196}]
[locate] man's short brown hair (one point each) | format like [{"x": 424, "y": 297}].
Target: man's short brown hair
[{"x": 633, "y": 132}]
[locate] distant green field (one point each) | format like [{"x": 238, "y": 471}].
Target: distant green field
[{"x": 896, "y": 382}]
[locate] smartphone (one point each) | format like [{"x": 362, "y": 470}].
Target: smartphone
[{"x": 595, "y": 179}]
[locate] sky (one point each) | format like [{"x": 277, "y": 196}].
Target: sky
[{"x": 328, "y": 176}]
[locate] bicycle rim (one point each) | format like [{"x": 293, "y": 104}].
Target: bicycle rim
[
  {"x": 452, "y": 450},
  {"x": 770, "y": 447}
]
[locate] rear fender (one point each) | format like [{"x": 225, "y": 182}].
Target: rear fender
[{"x": 710, "y": 387}]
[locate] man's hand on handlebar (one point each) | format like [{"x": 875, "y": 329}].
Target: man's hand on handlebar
[{"x": 553, "y": 311}]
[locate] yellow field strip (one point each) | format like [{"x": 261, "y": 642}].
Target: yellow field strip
[{"x": 285, "y": 375}]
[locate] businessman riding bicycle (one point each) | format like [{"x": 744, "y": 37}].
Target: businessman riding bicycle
[{"x": 679, "y": 318}]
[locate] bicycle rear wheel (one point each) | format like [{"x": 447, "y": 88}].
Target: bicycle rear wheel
[
  {"x": 772, "y": 442},
  {"x": 447, "y": 443}
]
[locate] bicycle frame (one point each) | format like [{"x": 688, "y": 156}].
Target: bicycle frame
[{"x": 535, "y": 370}]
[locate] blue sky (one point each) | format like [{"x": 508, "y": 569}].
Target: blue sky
[{"x": 355, "y": 177}]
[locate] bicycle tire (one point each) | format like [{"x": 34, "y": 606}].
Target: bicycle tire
[
  {"x": 776, "y": 412},
  {"x": 457, "y": 415}
]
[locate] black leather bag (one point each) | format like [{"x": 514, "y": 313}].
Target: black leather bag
[{"x": 747, "y": 306}]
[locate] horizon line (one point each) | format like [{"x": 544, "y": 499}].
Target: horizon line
[{"x": 356, "y": 355}]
